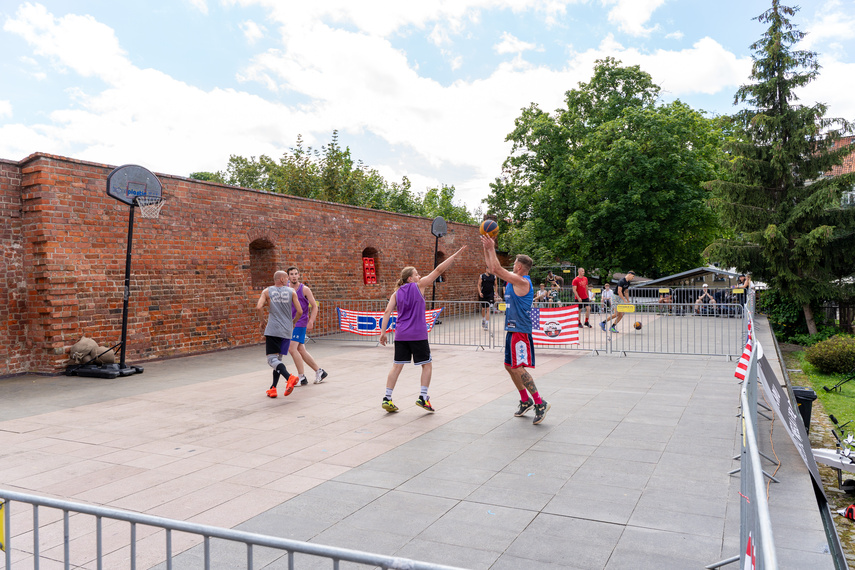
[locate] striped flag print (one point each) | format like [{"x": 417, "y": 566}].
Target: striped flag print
[
  {"x": 742, "y": 365},
  {"x": 555, "y": 325},
  {"x": 367, "y": 323}
]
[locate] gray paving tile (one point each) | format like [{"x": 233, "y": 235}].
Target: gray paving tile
[
  {"x": 654, "y": 549},
  {"x": 508, "y": 562},
  {"x": 615, "y": 472},
  {"x": 658, "y": 517},
  {"x": 400, "y": 512},
  {"x": 427, "y": 485},
  {"x": 492, "y": 527},
  {"x": 449, "y": 554},
  {"x": 551, "y": 538},
  {"x": 373, "y": 478}
]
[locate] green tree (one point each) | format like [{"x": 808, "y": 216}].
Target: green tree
[
  {"x": 440, "y": 202},
  {"x": 332, "y": 174},
  {"x": 789, "y": 226},
  {"x": 613, "y": 180}
]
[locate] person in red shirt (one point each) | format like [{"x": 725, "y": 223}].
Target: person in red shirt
[{"x": 580, "y": 293}]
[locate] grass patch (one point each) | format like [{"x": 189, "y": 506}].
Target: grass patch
[{"x": 839, "y": 402}]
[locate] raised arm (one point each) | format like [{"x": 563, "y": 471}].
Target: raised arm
[
  {"x": 519, "y": 282},
  {"x": 431, "y": 277}
]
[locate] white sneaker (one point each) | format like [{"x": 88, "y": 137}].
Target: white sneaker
[{"x": 320, "y": 375}]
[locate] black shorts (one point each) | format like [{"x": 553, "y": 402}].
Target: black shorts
[
  {"x": 486, "y": 304},
  {"x": 585, "y": 300},
  {"x": 416, "y": 350},
  {"x": 277, "y": 345}
]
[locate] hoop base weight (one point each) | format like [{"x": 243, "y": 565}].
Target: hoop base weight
[{"x": 103, "y": 371}]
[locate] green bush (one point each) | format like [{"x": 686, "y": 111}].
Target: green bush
[
  {"x": 836, "y": 354},
  {"x": 825, "y": 332}
]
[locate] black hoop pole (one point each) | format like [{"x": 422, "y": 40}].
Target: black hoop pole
[
  {"x": 435, "y": 253},
  {"x": 127, "y": 292}
]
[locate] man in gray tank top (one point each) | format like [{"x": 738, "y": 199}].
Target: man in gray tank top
[{"x": 279, "y": 327}]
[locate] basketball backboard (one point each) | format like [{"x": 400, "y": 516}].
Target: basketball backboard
[
  {"x": 439, "y": 228},
  {"x": 129, "y": 182}
]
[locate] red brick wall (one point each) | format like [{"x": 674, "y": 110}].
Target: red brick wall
[
  {"x": 13, "y": 288},
  {"x": 192, "y": 286}
]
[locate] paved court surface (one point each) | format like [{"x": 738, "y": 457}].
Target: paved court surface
[{"x": 629, "y": 469}]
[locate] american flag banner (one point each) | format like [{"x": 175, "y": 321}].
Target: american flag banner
[
  {"x": 367, "y": 323},
  {"x": 555, "y": 325}
]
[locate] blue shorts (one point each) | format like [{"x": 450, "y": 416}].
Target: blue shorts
[
  {"x": 519, "y": 350},
  {"x": 299, "y": 335}
]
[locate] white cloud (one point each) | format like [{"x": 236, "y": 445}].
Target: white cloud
[
  {"x": 674, "y": 36},
  {"x": 832, "y": 21},
  {"x": 76, "y": 43},
  {"x": 5, "y": 108},
  {"x": 201, "y": 5},
  {"x": 834, "y": 87},
  {"x": 511, "y": 44},
  {"x": 252, "y": 31},
  {"x": 631, "y": 15}
]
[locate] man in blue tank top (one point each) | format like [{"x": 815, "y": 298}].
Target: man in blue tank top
[{"x": 519, "y": 345}]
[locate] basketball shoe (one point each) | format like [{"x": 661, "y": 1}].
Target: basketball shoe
[
  {"x": 524, "y": 407},
  {"x": 613, "y": 329},
  {"x": 303, "y": 381},
  {"x": 320, "y": 375},
  {"x": 389, "y": 406},
  {"x": 289, "y": 387},
  {"x": 540, "y": 411},
  {"x": 271, "y": 393},
  {"x": 425, "y": 404}
]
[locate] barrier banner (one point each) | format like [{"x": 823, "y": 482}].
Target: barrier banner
[
  {"x": 791, "y": 419},
  {"x": 555, "y": 325},
  {"x": 367, "y": 323}
]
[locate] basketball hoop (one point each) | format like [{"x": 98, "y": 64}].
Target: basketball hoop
[{"x": 149, "y": 206}]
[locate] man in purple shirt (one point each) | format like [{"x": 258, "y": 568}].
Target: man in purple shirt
[{"x": 411, "y": 335}]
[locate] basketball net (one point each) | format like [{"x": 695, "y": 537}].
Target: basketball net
[{"x": 150, "y": 206}]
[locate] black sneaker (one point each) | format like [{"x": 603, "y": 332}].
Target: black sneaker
[
  {"x": 540, "y": 411},
  {"x": 303, "y": 381},
  {"x": 524, "y": 407},
  {"x": 587, "y": 324}
]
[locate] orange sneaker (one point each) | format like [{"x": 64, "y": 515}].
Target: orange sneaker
[
  {"x": 289, "y": 387},
  {"x": 271, "y": 393}
]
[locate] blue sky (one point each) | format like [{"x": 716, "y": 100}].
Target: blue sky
[{"x": 423, "y": 89}]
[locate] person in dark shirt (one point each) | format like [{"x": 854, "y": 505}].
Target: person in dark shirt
[
  {"x": 623, "y": 296},
  {"x": 486, "y": 295}
]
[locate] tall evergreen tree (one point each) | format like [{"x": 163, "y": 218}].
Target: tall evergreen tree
[{"x": 790, "y": 228}]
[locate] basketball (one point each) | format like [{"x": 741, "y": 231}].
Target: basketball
[
  {"x": 489, "y": 228},
  {"x": 637, "y": 325}
]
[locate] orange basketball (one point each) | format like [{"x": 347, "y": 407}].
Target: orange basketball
[
  {"x": 489, "y": 228},
  {"x": 637, "y": 325}
]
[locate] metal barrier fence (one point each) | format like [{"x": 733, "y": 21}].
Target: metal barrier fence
[
  {"x": 273, "y": 547},
  {"x": 756, "y": 543},
  {"x": 665, "y": 328}
]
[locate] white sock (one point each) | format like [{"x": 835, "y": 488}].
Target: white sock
[{"x": 389, "y": 393}]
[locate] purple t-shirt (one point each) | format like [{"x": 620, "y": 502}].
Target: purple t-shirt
[
  {"x": 411, "y": 324},
  {"x": 304, "y": 304}
]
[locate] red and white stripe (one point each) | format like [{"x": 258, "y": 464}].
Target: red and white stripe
[{"x": 742, "y": 365}]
